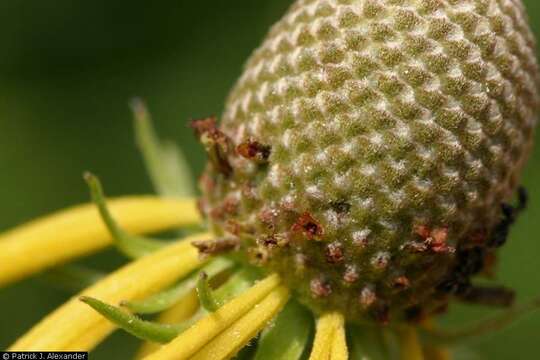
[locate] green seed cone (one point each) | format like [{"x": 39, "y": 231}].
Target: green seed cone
[{"x": 366, "y": 150}]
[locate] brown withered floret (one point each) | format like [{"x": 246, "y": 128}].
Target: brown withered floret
[
  {"x": 367, "y": 297},
  {"x": 254, "y": 150},
  {"x": 381, "y": 260},
  {"x": 401, "y": 282},
  {"x": 307, "y": 225},
  {"x": 217, "y": 246},
  {"x": 334, "y": 253},
  {"x": 215, "y": 142},
  {"x": 320, "y": 288},
  {"x": 434, "y": 239},
  {"x": 351, "y": 274},
  {"x": 438, "y": 244},
  {"x": 206, "y": 126}
]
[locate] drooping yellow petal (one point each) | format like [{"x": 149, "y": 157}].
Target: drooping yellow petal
[
  {"x": 183, "y": 310},
  {"x": 75, "y": 326},
  {"x": 329, "y": 340},
  {"x": 410, "y": 347},
  {"x": 204, "y": 331},
  {"x": 339, "y": 344},
  {"x": 79, "y": 231},
  {"x": 229, "y": 342}
]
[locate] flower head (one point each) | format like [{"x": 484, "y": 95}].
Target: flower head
[
  {"x": 365, "y": 153},
  {"x": 361, "y": 176}
]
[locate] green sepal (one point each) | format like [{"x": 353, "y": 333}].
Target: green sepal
[
  {"x": 163, "y": 333},
  {"x": 165, "y": 162},
  {"x": 205, "y": 293},
  {"x": 132, "y": 246},
  {"x": 166, "y": 299},
  {"x": 288, "y": 336},
  {"x": 145, "y": 330}
]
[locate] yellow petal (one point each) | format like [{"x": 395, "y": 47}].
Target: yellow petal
[
  {"x": 183, "y": 310},
  {"x": 204, "y": 331},
  {"x": 339, "y": 344},
  {"x": 78, "y": 231},
  {"x": 411, "y": 348},
  {"x": 75, "y": 326},
  {"x": 231, "y": 341},
  {"x": 329, "y": 340}
]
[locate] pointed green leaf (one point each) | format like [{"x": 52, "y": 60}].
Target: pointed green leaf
[
  {"x": 166, "y": 164},
  {"x": 130, "y": 245},
  {"x": 288, "y": 336}
]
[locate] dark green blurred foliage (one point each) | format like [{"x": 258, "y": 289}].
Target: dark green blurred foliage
[{"x": 67, "y": 71}]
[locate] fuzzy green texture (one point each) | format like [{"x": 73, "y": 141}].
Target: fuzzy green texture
[{"x": 370, "y": 141}]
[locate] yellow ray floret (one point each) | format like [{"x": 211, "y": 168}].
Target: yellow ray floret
[
  {"x": 207, "y": 329},
  {"x": 232, "y": 340},
  {"x": 75, "y": 326},
  {"x": 411, "y": 348},
  {"x": 339, "y": 344},
  {"x": 329, "y": 343},
  {"x": 78, "y": 231}
]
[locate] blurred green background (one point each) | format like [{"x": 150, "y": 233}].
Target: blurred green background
[{"x": 67, "y": 71}]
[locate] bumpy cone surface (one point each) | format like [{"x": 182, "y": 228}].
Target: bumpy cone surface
[{"x": 366, "y": 150}]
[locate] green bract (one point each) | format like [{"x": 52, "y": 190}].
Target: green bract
[{"x": 366, "y": 150}]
